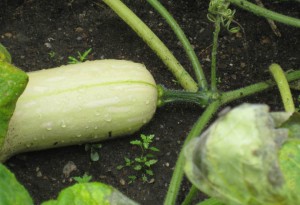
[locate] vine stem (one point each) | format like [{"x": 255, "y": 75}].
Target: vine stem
[
  {"x": 185, "y": 80},
  {"x": 204, "y": 119},
  {"x": 178, "y": 171},
  {"x": 283, "y": 87},
  {"x": 266, "y": 13},
  {"x": 214, "y": 54},
  {"x": 255, "y": 88},
  {"x": 202, "y": 83},
  {"x": 201, "y": 98},
  {"x": 191, "y": 195}
]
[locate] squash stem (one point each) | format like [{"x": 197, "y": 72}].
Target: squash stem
[
  {"x": 266, "y": 13},
  {"x": 190, "y": 196},
  {"x": 214, "y": 54},
  {"x": 283, "y": 87},
  {"x": 184, "y": 41},
  {"x": 218, "y": 101},
  {"x": 184, "y": 78},
  {"x": 202, "y": 98},
  {"x": 255, "y": 88},
  {"x": 178, "y": 171}
]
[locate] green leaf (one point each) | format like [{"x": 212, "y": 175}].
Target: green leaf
[
  {"x": 94, "y": 155},
  {"x": 144, "y": 178},
  {"x": 137, "y": 167},
  {"x": 289, "y": 158},
  {"x": 150, "y": 156},
  {"x": 82, "y": 57},
  {"x": 234, "y": 29},
  {"x": 84, "y": 179},
  {"x": 154, "y": 149},
  {"x": 136, "y": 142},
  {"x": 127, "y": 160},
  {"x": 236, "y": 159},
  {"x": 145, "y": 145},
  {"x": 293, "y": 125},
  {"x": 211, "y": 201},
  {"x": 143, "y": 137},
  {"x": 140, "y": 159},
  {"x": 150, "y": 162},
  {"x": 72, "y": 60},
  {"x": 120, "y": 167},
  {"x": 149, "y": 172},
  {"x": 12, "y": 84},
  {"x": 93, "y": 193},
  {"x": 131, "y": 178},
  {"x": 11, "y": 191},
  {"x": 4, "y": 54}
]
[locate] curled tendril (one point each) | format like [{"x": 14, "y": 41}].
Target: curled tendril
[{"x": 219, "y": 9}]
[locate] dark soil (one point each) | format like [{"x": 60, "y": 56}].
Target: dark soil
[{"x": 31, "y": 29}]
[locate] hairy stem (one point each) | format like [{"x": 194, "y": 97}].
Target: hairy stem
[
  {"x": 214, "y": 55},
  {"x": 178, "y": 171},
  {"x": 255, "y": 88},
  {"x": 154, "y": 43},
  {"x": 266, "y": 13},
  {"x": 283, "y": 87},
  {"x": 184, "y": 41}
]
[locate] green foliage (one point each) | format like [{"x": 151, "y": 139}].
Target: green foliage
[
  {"x": 84, "y": 179},
  {"x": 143, "y": 163},
  {"x": 12, "y": 84},
  {"x": 240, "y": 169},
  {"x": 94, "y": 151},
  {"x": 80, "y": 58},
  {"x": 11, "y": 192},
  {"x": 236, "y": 160},
  {"x": 83, "y": 193},
  {"x": 52, "y": 54},
  {"x": 289, "y": 158},
  {"x": 211, "y": 201},
  {"x": 131, "y": 179},
  {"x": 55, "y": 57},
  {"x": 293, "y": 125},
  {"x": 4, "y": 54},
  {"x": 93, "y": 193}
]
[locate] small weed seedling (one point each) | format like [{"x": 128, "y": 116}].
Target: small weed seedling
[
  {"x": 52, "y": 54},
  {"x": 80, "y": 58},
  {"x": 94, "y": 151},
  {"x": 84, "y": 179},
  {"x": 144, "y": 162}
]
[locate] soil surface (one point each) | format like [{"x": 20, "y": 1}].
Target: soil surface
[{"x": 42, "y": 34}]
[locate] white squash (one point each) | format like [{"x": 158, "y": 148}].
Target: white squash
[{"x": 81, "y": 103}]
